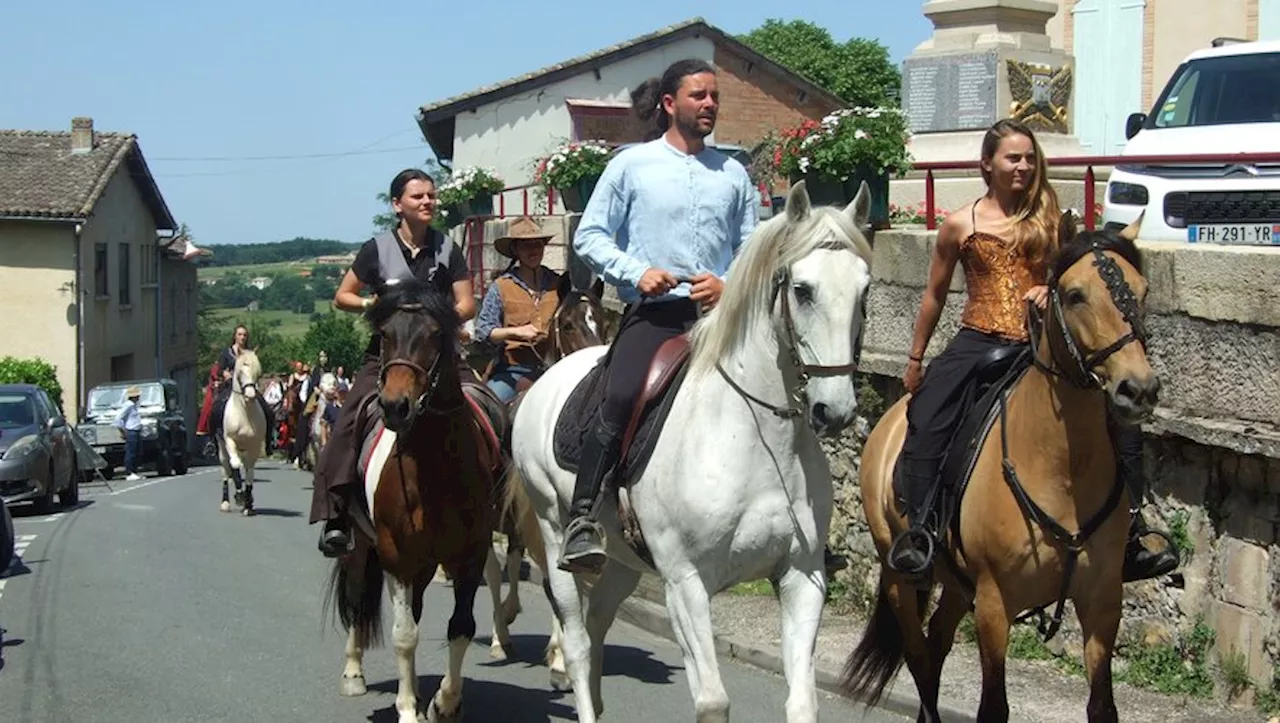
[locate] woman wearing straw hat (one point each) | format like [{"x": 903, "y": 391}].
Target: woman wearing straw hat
[{"x": 516, "y": 315}]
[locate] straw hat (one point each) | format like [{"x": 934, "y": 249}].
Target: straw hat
[
  {"x": 132, "y": 393},
  {"x": 521, "y": 229}
]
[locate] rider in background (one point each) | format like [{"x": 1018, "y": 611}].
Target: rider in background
[
  {"x": 667, "y": 208},
  {"x": 515, "y": 316},
  {"x": 413, "y": 249},
  {"x": 221, "y": 390},
  {"x": 1004, "y": 241}
]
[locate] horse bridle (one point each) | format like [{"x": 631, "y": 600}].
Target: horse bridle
[
  {"x": 431, "y": 375},
  {"x": 1080, "y": 372},
  {"x": 239, "y": 388},
  {"x": 800, "y": 397}
]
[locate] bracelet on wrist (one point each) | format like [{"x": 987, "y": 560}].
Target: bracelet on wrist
[{"x": 916, "y": 358}]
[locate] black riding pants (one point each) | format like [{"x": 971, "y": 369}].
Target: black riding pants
[
  {"x": 644, "y": 329},
  {"x": 336, "y": 468}
]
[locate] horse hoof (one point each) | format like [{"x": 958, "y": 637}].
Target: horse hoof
[
  {"x": 499, "y": 652},
  {"x": 249, "y": 512},
  {"x": 240, "y": 498},
  {"x": 225, "y": 506},
  {"x": 560, "y": 682},
  {"x": 352, "y": 687},
  {"x": 435, "y": 715}
]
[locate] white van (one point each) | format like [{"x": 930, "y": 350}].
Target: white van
[{"x": 1224, "y": 99}]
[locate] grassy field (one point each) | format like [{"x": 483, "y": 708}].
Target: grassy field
[
  {"x": 289, "y": 323},
  {"x": 251, "y": 270}
]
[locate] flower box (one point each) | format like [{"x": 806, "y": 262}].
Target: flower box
[{"x": 572, "y": 170}]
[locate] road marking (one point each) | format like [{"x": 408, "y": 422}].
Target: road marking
[
  {"x": 148, "y": 483},
  {"x": 20, "y": 545}
]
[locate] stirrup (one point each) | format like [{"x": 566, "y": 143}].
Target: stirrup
[
  {"x": 1173, "y": 556},
  {"x": 912, "y": 534},
  {"x": 589, "y": 560}
]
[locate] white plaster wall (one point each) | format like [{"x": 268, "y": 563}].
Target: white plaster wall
[
  {"x": 511, "y": 134},
  {"x": 1184, "y": 26}
]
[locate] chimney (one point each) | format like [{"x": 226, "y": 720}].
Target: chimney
[{"x": 81, "y": 135}]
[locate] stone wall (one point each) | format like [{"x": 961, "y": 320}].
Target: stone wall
[{"x": 1212, "y": 452}]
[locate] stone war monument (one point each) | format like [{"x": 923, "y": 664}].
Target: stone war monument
[{"x": 986, "y": 60}]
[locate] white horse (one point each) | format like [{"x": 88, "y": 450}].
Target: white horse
[
  {"x": 244, "y": 432},
  {"x": 738, "y": 487}
]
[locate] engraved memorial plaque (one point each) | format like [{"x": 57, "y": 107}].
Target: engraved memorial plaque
[{"x": 950, "y": 92}]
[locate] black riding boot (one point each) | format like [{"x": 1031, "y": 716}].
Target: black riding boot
[
  {"x": 583, "y": 549},
  {"x": 1140, "y": 563},
  {"x": 335, "y": 538},
  {"x": 912, "y": 551}
]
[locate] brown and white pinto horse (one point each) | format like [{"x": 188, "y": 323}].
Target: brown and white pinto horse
[
  {"x": 429, "y": 495},
  {"x": 577, "y": 323},
  {"x": 1044, "y": 517}
]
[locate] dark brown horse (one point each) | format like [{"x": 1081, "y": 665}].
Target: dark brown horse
[
  {"x": 578, "y": 322},
  {"x": 1044, "y": 517},
  {"x": 429, "y": 494}
]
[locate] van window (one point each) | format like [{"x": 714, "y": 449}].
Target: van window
[{"x": 1220, "y": 91}]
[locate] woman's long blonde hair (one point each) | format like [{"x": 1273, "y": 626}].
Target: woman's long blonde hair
[{"x": 1034, "y": 225}]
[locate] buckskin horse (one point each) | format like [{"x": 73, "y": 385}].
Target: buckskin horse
[
  {"x": 1044, "y": 466},
  {"x": 735, "y": 486},
  {"x": 429, "y": 494},
  {"x": 577, "y": 323}
]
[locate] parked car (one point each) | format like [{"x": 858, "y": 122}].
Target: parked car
[
  {"x": 1220, "y": 100},
  {"x": 37, "y": 456},
  {"x": 164, "y": 429}
]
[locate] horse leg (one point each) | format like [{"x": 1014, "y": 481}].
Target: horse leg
[
  {"x": 554, "y": 654},
  {"x": 248, "y": 465},
  {"x": 690, "y": 609},
  {"x": 446, "y": 705},
  {"x": 893, "y": 633},
  {"x": 802, "y": 593},
  {"x": 615, "y": 584},
  {"x": 515, "y": 557},
  {"x": 404, "y": 637},
  {"x": 226, "y": 497},
  {"x": 500, "y": 646},
  {"x": 566, "y": 596},
  {"x": 353, "y": 672},
  {"x": 993, "y": 644},
  {"x": 1099, "y": 615},
  {"x": 952, "y": 608}
]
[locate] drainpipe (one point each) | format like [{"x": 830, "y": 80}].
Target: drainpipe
[
  {"x": 81, "y": 290},
  {"x": 159, "y": 258}
]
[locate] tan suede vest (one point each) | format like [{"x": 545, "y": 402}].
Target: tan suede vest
[{"x": 519, "y": 307}]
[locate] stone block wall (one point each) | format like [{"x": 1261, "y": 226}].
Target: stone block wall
[{"x": 1212, "y": 452}]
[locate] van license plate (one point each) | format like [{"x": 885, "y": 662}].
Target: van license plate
[{"x": 1235, "y": 233}]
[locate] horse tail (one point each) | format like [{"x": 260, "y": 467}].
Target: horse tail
[
  {"x": 878, "y": 656},
  {"x": 355, "y": 586},
  {"x": 517, "y": 507}
]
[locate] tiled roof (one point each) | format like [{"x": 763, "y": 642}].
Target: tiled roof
[
  {"x": 40, "y": 176},
  {"x": 693, "y": 27}
]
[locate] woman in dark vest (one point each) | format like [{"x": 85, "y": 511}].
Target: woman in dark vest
[
  {"x": 413, "y": 249},
  {"x": 516, "y": 314}
]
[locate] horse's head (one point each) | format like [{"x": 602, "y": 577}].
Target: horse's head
[
  {"x": 809, "y": 269},
  {"x": 245, "y": 376},
  {"x": 1096, "y": 295},
  {"x": 578, "y": 321},
  {"x": 419, "y": 326}
]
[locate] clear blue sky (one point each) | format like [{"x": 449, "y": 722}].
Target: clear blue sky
[{"x": 237, "y": 79}]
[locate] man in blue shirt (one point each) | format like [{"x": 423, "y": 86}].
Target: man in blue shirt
[
  {"x": 130, "y": 423},
  {"x": 664, "y": 210}
]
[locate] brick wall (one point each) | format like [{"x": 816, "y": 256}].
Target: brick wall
[{"x": 755, "y": 102}]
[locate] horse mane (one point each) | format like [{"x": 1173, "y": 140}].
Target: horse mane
[
  {"x": 249, "y": 358},
  {"x": 434, "y": 302},
  {"x": 748, "y": 290},
  {"x": 1105, "y": 239}
]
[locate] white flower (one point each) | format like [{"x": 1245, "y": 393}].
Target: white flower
[
  {"x": 804, "y": 164},
  {"x": 860, "y": 134}
]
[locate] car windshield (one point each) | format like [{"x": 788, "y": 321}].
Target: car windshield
[
  {"x": 1221, "y": 91},
  {"x": 16, "y": 410},
  {"x": 114, "y": 397}
]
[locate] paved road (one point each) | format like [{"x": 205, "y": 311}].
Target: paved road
[{"x": 148, "y": 604}]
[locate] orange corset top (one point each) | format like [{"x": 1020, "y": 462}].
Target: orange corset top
[{"x": 997, "y": 277}]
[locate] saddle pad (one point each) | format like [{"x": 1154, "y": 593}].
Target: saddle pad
[
  {"x": 575, "y": 419},
  {"x": 961, "y": 455},
  {"x": 486, "y": 427}
]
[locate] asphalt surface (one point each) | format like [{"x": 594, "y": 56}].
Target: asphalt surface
[{"x": 147, "y": 604}]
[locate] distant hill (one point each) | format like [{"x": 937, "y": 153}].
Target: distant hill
[{"x": 298, "y": 249}]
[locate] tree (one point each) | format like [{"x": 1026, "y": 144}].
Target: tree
[
  {"x": 858, "y": 70},
  {"x": 339, "y": 337},
  {"x": 32, "y": 371}
]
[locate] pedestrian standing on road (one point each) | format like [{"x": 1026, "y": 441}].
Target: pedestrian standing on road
[{"x": 129, "y": 422}]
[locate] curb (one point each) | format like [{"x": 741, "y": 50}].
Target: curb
[{"x": 651, "y": 617}]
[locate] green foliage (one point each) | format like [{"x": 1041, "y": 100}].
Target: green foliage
[
  {"x": 340, "y": 337},
  {"x": 328, "y": 271},
  {"x": 274, "y": 252},
  {"x": 571, "y": 162},
  {"x": 32, "y": 371},
  {"x": 1173, "y": 668},
  {"x": 848, "y": 139},
  {"x": 858, "y": 70}
]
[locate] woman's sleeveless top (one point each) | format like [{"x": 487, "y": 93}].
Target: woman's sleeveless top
[{"x": 997, "y": 277}]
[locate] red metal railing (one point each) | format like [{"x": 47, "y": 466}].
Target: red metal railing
[
  {"x": 473, "y": 228},
  {"x": 1089, "y": 163}
]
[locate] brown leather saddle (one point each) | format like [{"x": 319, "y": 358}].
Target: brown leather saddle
[{"x": 666, "y": 374}]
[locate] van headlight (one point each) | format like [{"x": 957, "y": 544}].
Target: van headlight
[
  {"x": 149, "y": 429},
  {"x": 1127, "y": 194}
]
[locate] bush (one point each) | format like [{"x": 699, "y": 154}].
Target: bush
[{"x": 32, "y": 371}]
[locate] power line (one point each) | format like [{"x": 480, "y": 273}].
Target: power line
[{"x": 301, "y": 156}]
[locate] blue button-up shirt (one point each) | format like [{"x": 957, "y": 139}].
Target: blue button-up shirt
[
  {"x": 128, "y": 418},
  {"x": 490, "y": 316},
  {"x": 658, "y": 207}
]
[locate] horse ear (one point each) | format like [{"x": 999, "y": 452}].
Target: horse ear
[
  {"x": 564, "y": 286},
  {"x": 859, "y": 209},
  {"x": 597, "y": 288},
  {"x": 798, "y": 204},
  {"x": 1130, "y": 232},
  {"x": 1066, "y": 228}
]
